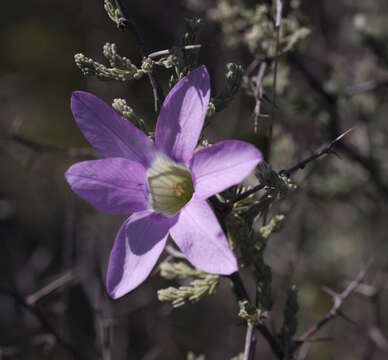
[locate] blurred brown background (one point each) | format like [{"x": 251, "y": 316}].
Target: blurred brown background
[{"x": 337, "y": 217}]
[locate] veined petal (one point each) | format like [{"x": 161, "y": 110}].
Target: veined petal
[
  {"x": 182, "y": 115},
  {"x": 108, "y": 132},
  {"x": 218, "y": 167},
  {"x": 137, "y": 248},
  {"x": 114, "y": 185},
  {"x": 201, "y": 239}
]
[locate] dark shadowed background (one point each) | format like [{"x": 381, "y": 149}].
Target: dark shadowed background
[{"x": 337, "y": 218}]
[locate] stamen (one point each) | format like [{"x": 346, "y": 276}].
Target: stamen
[
  {"x": 170, "y": 184},
  {"x": 179, "y": 191}
]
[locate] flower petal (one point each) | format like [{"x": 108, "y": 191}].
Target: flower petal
[
  {"x": 114, "y": 185},
  {"x": 201, "y": 239},
  {"x": 138, "y": 245},
  {"x": 109, "y": 133},
  {"x": 218, "y": 167},
  {"x": 182, "y": 115}
]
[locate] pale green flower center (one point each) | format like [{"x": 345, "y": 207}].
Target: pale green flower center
[{"x": 170, "y": 184}]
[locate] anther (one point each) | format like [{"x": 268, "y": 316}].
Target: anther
[{"x": 178, "y": 190}]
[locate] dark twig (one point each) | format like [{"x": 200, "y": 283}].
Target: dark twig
[
  {"x": 275, "y": 347},
  {"x": 253, "y": 339},
  {"x": 242, "y": 295},
  {"x": 328, "y": 149},
  {"x": 45, "y": 324},
  {"x": 239, "y": 288},
  {"x": 127, "y": 22},
  {"x": 249, "y": 192},
  {"x": 336, "y": 308},
  {"x": 238, "y": 285}
]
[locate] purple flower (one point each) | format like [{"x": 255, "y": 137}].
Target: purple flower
[{"x": 164, "y": 184}]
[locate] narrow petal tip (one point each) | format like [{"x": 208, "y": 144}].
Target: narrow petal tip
[
  {"x": 201, "y": 70},
  {"x": 108, "y": 132},
  {"x": 182, "y": 115},
  {"x": 79, "y": 95}
]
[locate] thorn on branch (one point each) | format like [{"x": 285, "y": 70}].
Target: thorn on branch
[
  {"x": 335, "y": 311},
  {"x": 328, "y": 149}
]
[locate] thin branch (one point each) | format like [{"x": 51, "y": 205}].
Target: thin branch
[
  {"x": 249, "y": 192},
  {"x": 127, "y": 22},
  {"x": 367, "y": 162},
  {"x": 103, "y": 316},
  {"x": 275, "y": 347},
  {"x": 174, "y": 253},
  {"x": 168, "y": 51},
  {"x": 330, "y": 98},
  {"x": 242, "y": 295},
  {"x": 376, "y": 339},
  {"x": 253, "y": 339},
  {"x": 238, "y": 285},
  {"x": 44, "y": 322},
  {"x": 239, "y": 288},
  {"x": 61, "y": 281},
  {"x": 328, "y": 149},
  {"x": 38, "y": 147},
  {"x": 252, "y": 66},
  {"x": 47, "y": 341},
  {"x": 248, "y": 341},
  {"x": 336, "y": 308},
  {"x": 379, "y": 339},
  {"x": 365, "y": 87},
  {"x": 279, "y": 8},
  {"x": 303, "y": 353},
  {"x": 259, "y": 95}
]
